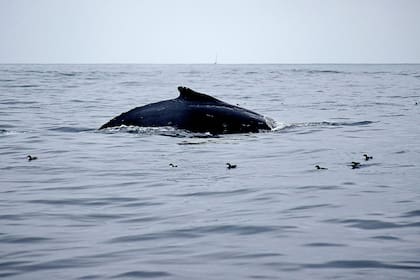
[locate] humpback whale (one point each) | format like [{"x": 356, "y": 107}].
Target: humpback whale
[{"x": 195, "y": 112}]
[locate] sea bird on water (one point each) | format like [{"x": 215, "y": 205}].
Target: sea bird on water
[
  {"x": 319, "y": 167},
  {"x": 29, "y": 157},
  {"x": 367, "y": 157},
  {"x": 230, "y": 166}
]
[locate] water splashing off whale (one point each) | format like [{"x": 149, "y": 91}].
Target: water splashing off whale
[{"x": 195, "y": 112}]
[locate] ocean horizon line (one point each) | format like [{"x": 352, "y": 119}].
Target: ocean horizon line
[{"x": 202, "y": 63}]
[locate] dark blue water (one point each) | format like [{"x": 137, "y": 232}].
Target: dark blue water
[{"x": 107, "y": 205}]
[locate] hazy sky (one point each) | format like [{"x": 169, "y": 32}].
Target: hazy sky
[{"x": 194, "y": 31}]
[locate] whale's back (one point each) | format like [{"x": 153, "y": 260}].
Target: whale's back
[{"x": 193, "y": 111}]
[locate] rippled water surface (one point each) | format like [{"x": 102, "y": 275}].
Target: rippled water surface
[{"x": 107, "y": 204}]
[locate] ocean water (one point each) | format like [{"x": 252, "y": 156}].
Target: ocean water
[{"x": 107, "y": 205}]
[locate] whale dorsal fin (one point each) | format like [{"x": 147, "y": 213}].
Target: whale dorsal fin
[{"x": 190, "y": 95}]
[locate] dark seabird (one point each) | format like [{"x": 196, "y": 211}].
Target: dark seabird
[
  {"x": 319, "y": 167},
  {"x": 367, "y": 157},
  {"x": 31, "y": 158},
  {"x": 230, "y": 166}
]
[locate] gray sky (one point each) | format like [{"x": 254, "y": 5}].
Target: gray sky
[{"x": 194, "y": 31}]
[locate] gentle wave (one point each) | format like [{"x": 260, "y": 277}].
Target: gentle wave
[
  {"x": 324, "y": 124},
  {"x": 373, "y": 224},
  {"x": 142, "y": 274},
  {"x": 70, "y": 129},
  {"x": 21, "y": 239},
  {"x": 196, "y": 232},
  {"x": 315, "y": 71},
  {"x": 358, "y": 264}
]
